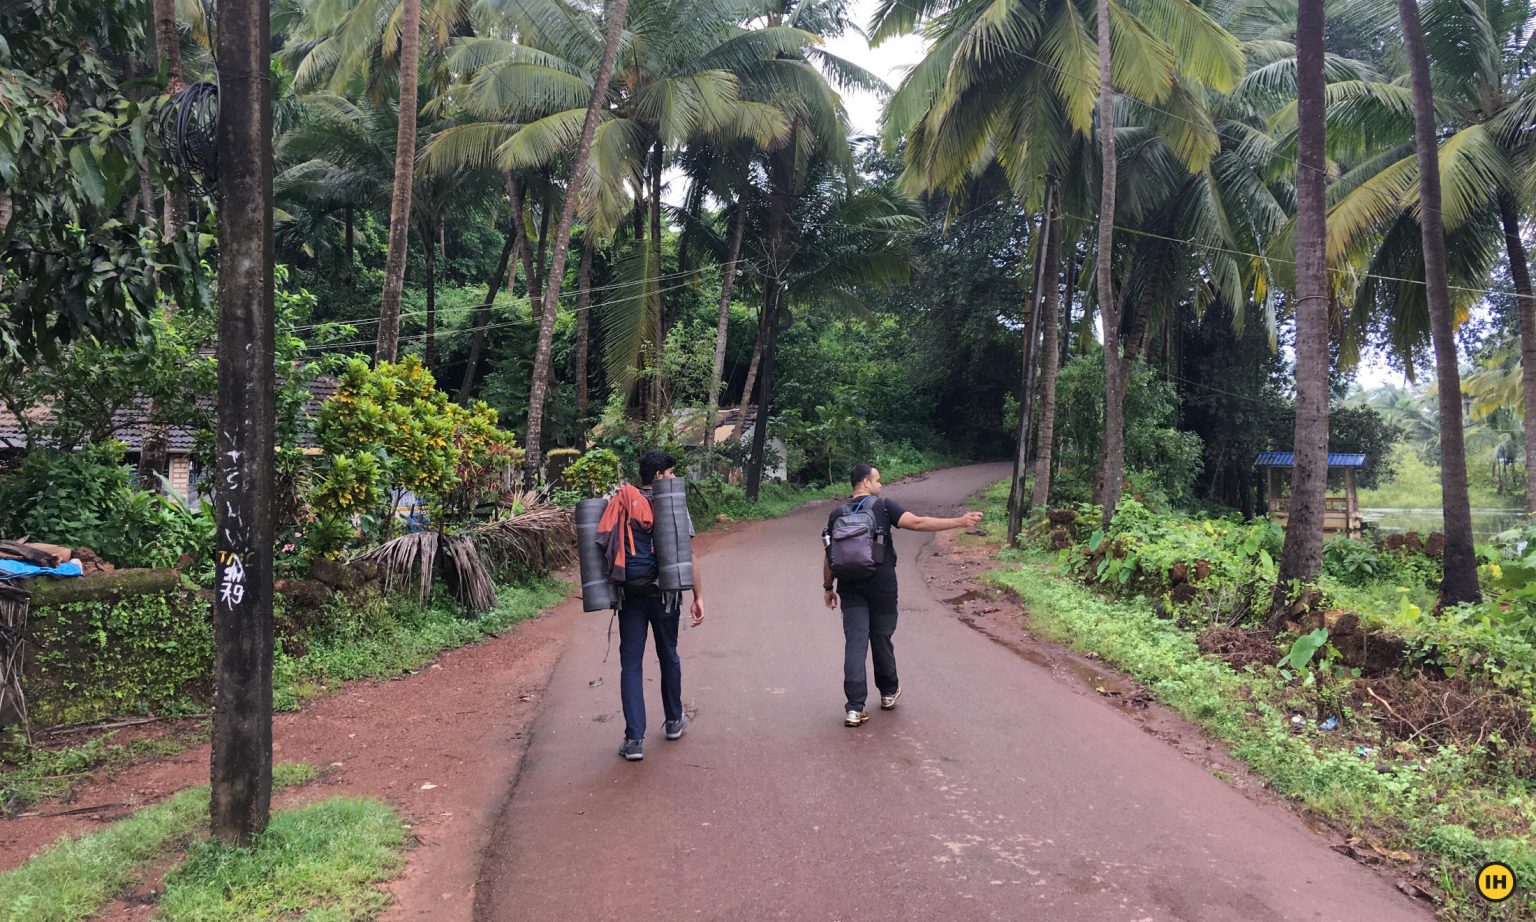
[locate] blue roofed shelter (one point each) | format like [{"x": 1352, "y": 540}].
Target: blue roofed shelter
[{"x": 1341, "y": 514}]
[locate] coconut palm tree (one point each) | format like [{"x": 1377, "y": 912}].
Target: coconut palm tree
[
  {"x": 1302, "y": 556},
  {"x": 339, "y": 157},
  {"x": 1015, "y": 83},
  {"x": 1485, "y": 99},
  {"x": 374, "y": 39},
  {"x": 681, "y": 79},
  {"x": 1460, "y": 583}
]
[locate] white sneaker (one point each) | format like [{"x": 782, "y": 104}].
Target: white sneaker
[
  {"x": 888, "y": 702},
  {"x": 855, "y": 718}
]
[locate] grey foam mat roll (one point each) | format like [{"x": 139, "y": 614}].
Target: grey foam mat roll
[
  {"x": 674, "y": 546},
  {"x": 597, "y": 591}
]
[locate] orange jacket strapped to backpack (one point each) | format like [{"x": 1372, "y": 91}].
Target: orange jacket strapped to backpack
[{"x": 628, "y": 506}]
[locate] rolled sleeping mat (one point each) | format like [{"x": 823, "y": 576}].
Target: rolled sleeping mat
[
  {"x": 674, "y": 546},
  {"x": 597, "y": 590}
]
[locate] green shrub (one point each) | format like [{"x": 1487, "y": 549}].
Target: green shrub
[
  {"x": 1355, "y": 563},
  {"x": 595, "y": 473},
  {"x": 1144, "y": 552},
  {"x": 85, "y": 498}
]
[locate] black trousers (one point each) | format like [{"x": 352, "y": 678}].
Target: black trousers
[{"x": 869, "y": 620}]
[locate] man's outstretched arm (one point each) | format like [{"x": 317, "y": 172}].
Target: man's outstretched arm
[{"x": 929, "y": 523}]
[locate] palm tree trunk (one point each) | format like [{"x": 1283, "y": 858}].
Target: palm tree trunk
[
  {"x": 539, "y": 265},
  {"x": 1066, "y": 312},
  {"x": 1460, "y": 583},
  {"x": 1301, "y": 559},
  {"x": 168, "y": 43},
  {"x": 1016, "y": 492},
  {"x": 779, "y": 179},
  {"x": 583, "y": 332},
  {"x": 483, "y": 317},
  {"x": 523, "y": 253},
  {"x": 541, "y": 360},
  {"x": 723, "y": 322},
  {"x": 350, "y": 238},
  {"x": 658, "y": 386},
  {"x": 746, "y": 389},
  {"x": 388, "y": 345},
  {"x": 1050, "y": 359},
  {"x": 430, "y": 239},
  {"x": 1114, "y": 391},
  {"x": 755, "y": 457},
  {"x": 154, "y": 446},
  {"x": 1520, "y": 269}
]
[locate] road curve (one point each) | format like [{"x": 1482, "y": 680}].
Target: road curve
[{"x": 994, "y": 791}]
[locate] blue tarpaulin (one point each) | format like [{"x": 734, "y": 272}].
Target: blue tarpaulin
[{"x": 16, "y": 569}]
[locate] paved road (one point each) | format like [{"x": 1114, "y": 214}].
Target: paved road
[{"x": 993, "y": 792}]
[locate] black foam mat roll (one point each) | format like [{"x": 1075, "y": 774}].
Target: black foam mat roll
[
  {"x": 674, "y": 546},
  {"x": 597, "y": 591}
]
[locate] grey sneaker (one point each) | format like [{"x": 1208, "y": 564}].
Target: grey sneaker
[
  {"x": 888, "y": 702},
  {"x": 676, "y": 727},
  {"x": 855, "y": 718},
  {"x": 632, "y": 750}
]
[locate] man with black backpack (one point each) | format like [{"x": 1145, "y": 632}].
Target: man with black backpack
[
  {"x": 861, "y": 560},
  {"x": 645, "y": 606}
]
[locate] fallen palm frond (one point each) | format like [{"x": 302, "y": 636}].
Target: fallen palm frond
[
  {"x": 534, "y": 542},
  {"x": 465, "y": 572},
  {"x": 405, "y": 561}
]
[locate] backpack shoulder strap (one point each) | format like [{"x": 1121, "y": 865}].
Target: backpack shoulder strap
[{"x": 882, "y": 512}]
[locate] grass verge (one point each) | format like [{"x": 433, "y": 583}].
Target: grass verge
[
  {"x": 1451, "y": 808},
  {"x": 318, "y": 862},
  {"x": 41, "y": 774},
  {"x": 72, "y": 879}
]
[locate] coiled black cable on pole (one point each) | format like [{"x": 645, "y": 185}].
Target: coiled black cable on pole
[{"x": 188, "y": 134}]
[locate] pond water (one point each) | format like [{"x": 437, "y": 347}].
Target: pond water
[{"x": 1485, "y": 522}]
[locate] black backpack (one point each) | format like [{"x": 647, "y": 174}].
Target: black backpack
[
  {"x": 640, "y": 568},
  {"x": 856, "y": 539}
]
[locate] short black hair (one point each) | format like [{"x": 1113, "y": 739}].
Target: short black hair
[
  {"x": 859, "y": 473},
  {"x": 652, "y": 463}
]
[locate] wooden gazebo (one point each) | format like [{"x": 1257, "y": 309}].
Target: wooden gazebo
[{"x": 1341, "y": 514}]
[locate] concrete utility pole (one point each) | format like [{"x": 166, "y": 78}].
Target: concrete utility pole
[{"x": 241, "y": 767}]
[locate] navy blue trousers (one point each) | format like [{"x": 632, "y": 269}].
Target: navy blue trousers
[{"x": 639, "y": 613}]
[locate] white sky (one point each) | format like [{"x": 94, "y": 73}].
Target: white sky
[{"x": 889, "y": 61}]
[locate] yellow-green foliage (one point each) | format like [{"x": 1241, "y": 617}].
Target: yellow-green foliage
[
  {"x": 594, "y": 473},
  {"x": 390, "y": 428}
]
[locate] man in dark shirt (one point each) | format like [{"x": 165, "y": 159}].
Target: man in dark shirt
[{"x": 869, "y": 605}]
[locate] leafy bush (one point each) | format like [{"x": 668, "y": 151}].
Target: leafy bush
[
  {"x": 595, "y": 473},
  {"x": 389, "y": 429},
  {"x": 1147, "y": 552},
  {"x": 1164, "y": 461},
  {"x": 85, "y": 499},
  {"x": 1355, "y": 563}
]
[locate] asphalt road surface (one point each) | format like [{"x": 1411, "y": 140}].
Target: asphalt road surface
[{"x": 994, "y": 791}]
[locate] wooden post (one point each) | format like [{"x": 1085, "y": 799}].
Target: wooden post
[
  {"x": 1351, "y": 505},
  {"x": 241, "y": 765}
]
